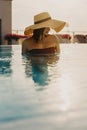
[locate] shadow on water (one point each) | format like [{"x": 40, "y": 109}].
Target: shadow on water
[
  {"x": 5, "y": 60},
  {"x": 38, "y": 68}
]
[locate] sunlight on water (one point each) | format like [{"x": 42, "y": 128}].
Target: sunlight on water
[{"x": 44, "y": 93}]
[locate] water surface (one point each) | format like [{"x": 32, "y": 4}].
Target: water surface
[{"x": 48, "y": 94}]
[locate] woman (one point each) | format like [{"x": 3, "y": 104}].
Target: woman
[{"x": 41, "y": 42}]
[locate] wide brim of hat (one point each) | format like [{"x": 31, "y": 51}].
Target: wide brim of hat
[{"x": 56, "y": 25}]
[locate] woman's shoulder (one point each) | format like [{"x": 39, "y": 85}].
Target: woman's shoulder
[
  {"x": 53, "y": 37},
  {"x": 27, "y": 40}
]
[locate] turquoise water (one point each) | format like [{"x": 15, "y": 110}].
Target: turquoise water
[{"x": 43, "y": 93}]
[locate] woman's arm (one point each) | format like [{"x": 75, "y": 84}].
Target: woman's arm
[
  {"x": 24, "y": 47},
  {"x": 57, "y": 43}
]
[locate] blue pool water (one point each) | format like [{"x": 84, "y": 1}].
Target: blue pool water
[{"x": 43, "y": 93}]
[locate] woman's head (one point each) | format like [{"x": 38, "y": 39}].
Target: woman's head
[{"x": 38, "y": 33}]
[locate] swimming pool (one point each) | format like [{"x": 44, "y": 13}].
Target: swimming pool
[{"x": 48, "y": 94}]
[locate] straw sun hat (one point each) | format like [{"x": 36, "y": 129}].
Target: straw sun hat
[{"x": 44, "y": 20}]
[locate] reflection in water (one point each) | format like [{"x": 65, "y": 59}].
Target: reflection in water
[
  {"x": 40, "y": 73},
  {"x": 5, "y": 60},
  {"x": 39, "y": 65}
]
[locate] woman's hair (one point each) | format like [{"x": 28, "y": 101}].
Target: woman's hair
[{"x": 37, "y": 33}]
